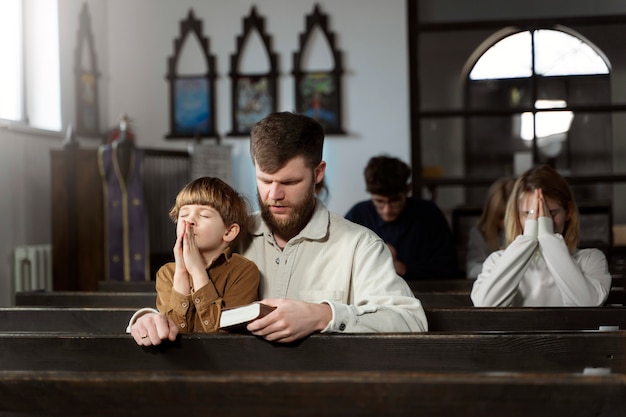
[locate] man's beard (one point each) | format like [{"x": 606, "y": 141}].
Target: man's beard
[{"x": 289, "y": 227}]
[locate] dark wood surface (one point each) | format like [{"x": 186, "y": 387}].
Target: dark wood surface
[
  {"x": 126, "y": 286},
  {"x": 448, "y": 319},
  {"x": 64, "y": 319},
  {"x": 97, "y": 299},
  {"x": 138, "y": 299},
  {"x": 478, "y": 319},
  {"x": 538, "y": 374},
  {"x": 559, "y": 352},
  {"x": 311, "y": 393}
]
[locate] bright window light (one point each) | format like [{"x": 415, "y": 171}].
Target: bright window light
[
  {"x": 11, "y": 60},
  {"x": 42, "y": 64},
  {"x": 30, "y": 82},
  {"x": 559, "y": 53},
  {"x": 556, "y": 53},
  {"x": 509, "y": 58},
  {"x": 549, "y": 123}
]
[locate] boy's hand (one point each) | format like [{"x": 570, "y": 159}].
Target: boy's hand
[{"x": 191, "y": 254}]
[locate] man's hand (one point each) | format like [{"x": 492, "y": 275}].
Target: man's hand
[
  {"x": 292, "y": 320},
  {"x": 152, "y": 328}
]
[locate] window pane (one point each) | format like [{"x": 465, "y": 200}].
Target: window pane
[
  {"x": 42, "y": 64},
  {"x": 11, "y": 59},
  {"x": 559, "y": 53},
  {"x": 509, "y": 58}
]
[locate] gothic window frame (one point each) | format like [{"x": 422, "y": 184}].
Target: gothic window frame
[
  {"x": 86, "y": 80},
  {"x": 190, "y": 87},
  {"x": 302, "y": 78},
  {"x": 266, "y": 82}
]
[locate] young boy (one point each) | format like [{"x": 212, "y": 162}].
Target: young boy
[{"x": 206, "y": 276}]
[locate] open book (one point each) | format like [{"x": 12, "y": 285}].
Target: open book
[{"x": 236, "y": 317}]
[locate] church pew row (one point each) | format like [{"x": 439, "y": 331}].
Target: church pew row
[
  {"x": 449, "y": 319},
  {"x": 559, "y": 373},
  {"x": 429, "y": 299},
  {"x": 550, "y": 352},
  {"x": 435, "y": 285},
  {"x": 309, "y": 394}
]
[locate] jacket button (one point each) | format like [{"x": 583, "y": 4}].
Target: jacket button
[{"x": 342, "y": 327}]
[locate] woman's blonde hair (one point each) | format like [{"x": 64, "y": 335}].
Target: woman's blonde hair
[
  {"x": 215, "y": 193},
  {"x": 491, "y": 221},
  {"x": 553, "y": 186}
]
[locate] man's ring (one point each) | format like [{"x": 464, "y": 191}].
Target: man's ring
[
  {"x": 531, "y": 211},
  {"x": 145, "y": 336}
]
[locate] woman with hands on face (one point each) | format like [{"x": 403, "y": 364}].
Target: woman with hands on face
[
  {"x": 205, "y": 276},
  {"x": 541, "y": 264}
]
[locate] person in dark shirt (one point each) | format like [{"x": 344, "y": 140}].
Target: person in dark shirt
[{"x": 416, "y": 231}]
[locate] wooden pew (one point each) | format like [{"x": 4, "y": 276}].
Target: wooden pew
[
  {"x": 479, "y": 319},
  {"x": 456, "y": 292},
  {"x": 85, "y": 299},
  {"x": 429, "y": 299},
  {"x": 450, "y": 319},
  {"x": 477, "y": 374},
  {"x": 310, "y": 394},
  {"x": 64, "y": 319},
  {"x": 570, "y": 352},
  {"x": 123, "y": 286}
]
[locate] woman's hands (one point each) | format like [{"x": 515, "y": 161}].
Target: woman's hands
[{"x": 538, "y": 207}]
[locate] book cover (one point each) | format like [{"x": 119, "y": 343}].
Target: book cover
[{"x": 237, "y": 317}]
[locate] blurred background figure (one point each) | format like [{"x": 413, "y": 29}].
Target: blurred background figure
[
  {"x": 416, "y": 231},
  {"x": 488, "y": 235}
]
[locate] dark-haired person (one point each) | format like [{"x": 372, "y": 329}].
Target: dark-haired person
[{"x": 415, "y": 229}]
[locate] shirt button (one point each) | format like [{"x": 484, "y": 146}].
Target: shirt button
[
  {"x": 197, "y": 301},
  {"x": 206, "y": 322},
  {"x": 184, "y": 304},
  {"x": 342, "y": 327},
  {"x": 182, "y": 325}
]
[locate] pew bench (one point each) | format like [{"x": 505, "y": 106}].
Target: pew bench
[
  {"x": 310, "y": 394},
  {"x": 64, "y": 319},
  {"x": 448, "y": 319},
  {"x": 97, "y": 299},
  {"x": 510, "y": 319},
  {"x": 557, "y": 351},
  {"x": 94, "y": 299},
  {"x": 560, "y": 373}
]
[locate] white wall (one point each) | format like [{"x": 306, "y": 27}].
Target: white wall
[{"x": 134, "y": 40}]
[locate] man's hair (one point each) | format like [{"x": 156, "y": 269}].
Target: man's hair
[
  {"x": 281, "y": 136},
  {"x": 215, "y": 193},
  {"x": 386, "y": 176}
]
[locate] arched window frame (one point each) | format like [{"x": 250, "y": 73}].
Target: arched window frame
[
  {"x": 266, "y": 81},
  {"x": 192, "y": 26},
  {"x": 86, "y": 79},
  {"x": 303, "y": 97}
]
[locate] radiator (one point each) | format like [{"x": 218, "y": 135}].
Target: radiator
[{"x": 33, "y": 268}]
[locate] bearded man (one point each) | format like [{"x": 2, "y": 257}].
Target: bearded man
[{"x": 322, "y": 272}]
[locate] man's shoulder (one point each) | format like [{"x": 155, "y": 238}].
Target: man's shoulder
[
  {"x": 361, "y": 205},
  {"x": 341, "y": 227}
]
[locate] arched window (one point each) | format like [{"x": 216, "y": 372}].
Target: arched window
[{"x": 550, "y": 75}]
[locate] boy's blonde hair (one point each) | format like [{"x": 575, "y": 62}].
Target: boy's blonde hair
[{"x": 215, "y": 193}]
